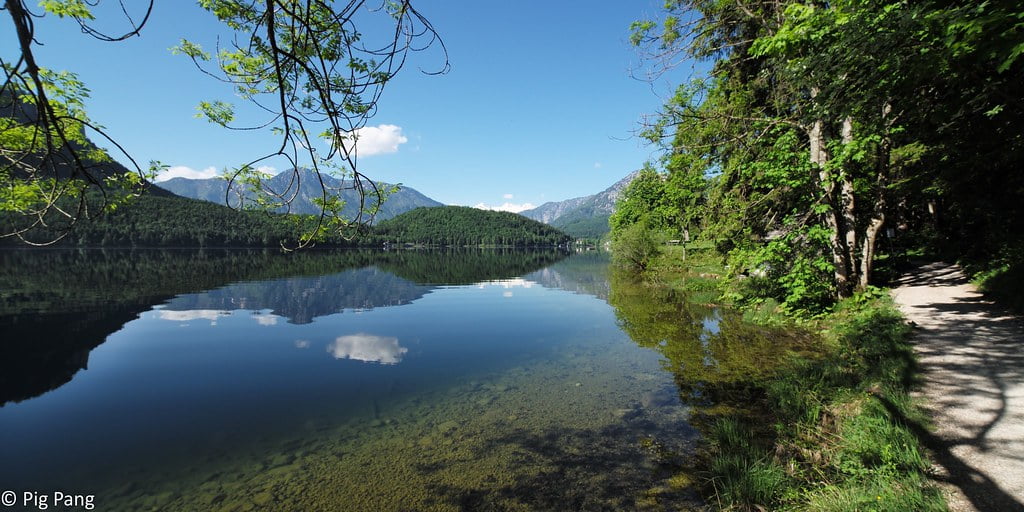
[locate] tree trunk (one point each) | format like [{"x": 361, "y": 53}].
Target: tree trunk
[
  {"x": 870, "y": 238},
  {"x": 849, "y": 214},
  {"x": 878, "y": 216},
  {"x": 833, "y": 218}
]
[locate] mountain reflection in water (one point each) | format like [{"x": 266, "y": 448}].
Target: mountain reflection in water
[{"x": 64, "y": 303}]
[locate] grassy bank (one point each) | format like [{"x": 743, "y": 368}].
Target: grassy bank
[
  {"x": 840, "y": 430},
  {"x": 1001, "y": 282}
]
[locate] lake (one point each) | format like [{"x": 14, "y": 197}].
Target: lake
[{"x": 360, "y": 380}]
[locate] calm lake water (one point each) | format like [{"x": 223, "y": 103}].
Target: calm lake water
[{"x": 357, "y": 380}]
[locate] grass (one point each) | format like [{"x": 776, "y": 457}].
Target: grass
[
  {"x": 1003, "y": 283},
  {"x": 841, "y": 437}
]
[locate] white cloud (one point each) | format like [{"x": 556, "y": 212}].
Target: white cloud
[
  {"x": 506, "y": 207},
  {"x": 180, "y": 171},
  {"x": 597, "y": 165},
  {"x": 266, "y": 169},
  {"x": 516, "y": 282},
  {"x": 378, "y": 140},
  {"x": 367, "y": 347},
  {"x": 194, "y": 314},
  {"x": 266, "y": 319},
  {"x": 507, "y": 196}
]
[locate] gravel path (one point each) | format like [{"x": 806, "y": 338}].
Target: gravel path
[{"x": 971, "y": 357}]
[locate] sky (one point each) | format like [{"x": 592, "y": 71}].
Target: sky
[{"x": 541, "y": 102}]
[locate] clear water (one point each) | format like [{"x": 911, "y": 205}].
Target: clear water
[{"x": 227, "y": 380}]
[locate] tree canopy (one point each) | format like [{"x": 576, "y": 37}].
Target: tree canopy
[
  {"x": 304, "y": 64},
  {"x": 822, "y": 129}
]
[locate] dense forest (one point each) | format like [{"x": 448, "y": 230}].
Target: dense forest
[
  {"x": 462, "y": 225},
  {"x": 152, "y": 220},
  {"x": 580, "y": 225},
  {"x": 826, "y": 136},
  {"x": 164, "y": 220}
]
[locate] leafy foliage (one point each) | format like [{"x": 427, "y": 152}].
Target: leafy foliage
[
  {"x": 823, "y": 133},
  {"x": 636, "y": 246}
]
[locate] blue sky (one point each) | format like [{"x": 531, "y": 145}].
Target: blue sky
[{"x": 539, "y": 105}]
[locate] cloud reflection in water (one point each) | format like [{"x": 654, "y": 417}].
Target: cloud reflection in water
[
  {"x": 194, "y": 314},
  {"x": 367, "y": 347},
  {"x": 265, "y": 319}
]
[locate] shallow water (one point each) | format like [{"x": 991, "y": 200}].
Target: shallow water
[{"x": 231, "y": 380}]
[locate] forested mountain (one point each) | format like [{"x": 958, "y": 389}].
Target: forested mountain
[
  {"x": 172, "y": 221},
  {"x": 168, "y": 221},
  {"x": 308, "y": 192},
  {"x": 581, "y": 217},
  {"x": 461, "y": 225}
]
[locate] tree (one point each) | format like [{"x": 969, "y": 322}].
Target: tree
[
  {"x": 47, "y": 163},
  {"x": 643, "y": 198},
  {"x": 302, "y": 62},
  {"x": 819, "y": 124},
  {"x": 636, "y": 245}
]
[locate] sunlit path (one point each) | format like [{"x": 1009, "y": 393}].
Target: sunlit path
[{"x": 973, "y": 382}]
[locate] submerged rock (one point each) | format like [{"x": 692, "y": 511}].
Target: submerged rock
[
  {"x": 282, "y": 460},
  {"x": 263, "y": 498}
]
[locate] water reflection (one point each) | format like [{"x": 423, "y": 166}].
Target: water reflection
[
  {"x": 509, "y": 283},
  {"x": 585, "y": 273},
  {"x": 266, "y": 319},
  {"x": 302, "y": 299},
  {"x": 720, "y": 363},
  {"x": 63, "y": 303},
  {"x": 192, "y": 314},
  {"x": 368, "y": 348},
  {"x": 535, "y": 402}
]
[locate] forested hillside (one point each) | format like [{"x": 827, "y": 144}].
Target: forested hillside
[
  {"x": 171, "y": 221},
  {"x": 152, "y": 221},
  {"x": 824, "y": 135},
  {"x": 461, "y": 225}
]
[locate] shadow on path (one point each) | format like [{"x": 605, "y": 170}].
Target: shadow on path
[
  {"x": 976, "y": 486},
  {"x": 972, "y": 378}
]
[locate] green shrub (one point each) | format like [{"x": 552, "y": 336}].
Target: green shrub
[{"x": 636, "y": 246}]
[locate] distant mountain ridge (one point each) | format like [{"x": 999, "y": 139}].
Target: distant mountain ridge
[
  {"x": 215, "y": 189},
  {"x": 583, "y": 217}
]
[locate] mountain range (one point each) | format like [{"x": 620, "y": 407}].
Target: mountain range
[
  {"x": 215, "y": 191},
  {"x": 582, "y": 217}
]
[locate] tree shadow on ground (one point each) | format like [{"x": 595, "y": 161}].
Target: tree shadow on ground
[
  {"x": 972, "y": 368},
  {"x": 977, "y": 486}
]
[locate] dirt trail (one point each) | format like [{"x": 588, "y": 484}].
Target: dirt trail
[{"x": 971, "y": 356}]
